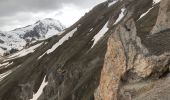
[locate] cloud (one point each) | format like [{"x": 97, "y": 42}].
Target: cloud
[
  {"x": 69, "y": 14},
  {"x": 10, "y": 7},
  {"x": 17, "y": 13},
  {"x": 15, "y": 21}
]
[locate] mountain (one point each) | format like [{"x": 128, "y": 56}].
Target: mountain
[
  {"x": 114, "y": 52},
  {"x": 16, "y": 39}
]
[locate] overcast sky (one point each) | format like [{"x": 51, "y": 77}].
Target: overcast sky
[{"x": 19, "y": 13}]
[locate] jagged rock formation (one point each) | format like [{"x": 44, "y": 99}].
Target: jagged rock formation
[
  {"x": 163, "y": 19},
  {"x": 109, "y": 54}
]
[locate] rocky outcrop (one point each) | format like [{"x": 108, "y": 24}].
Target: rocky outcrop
[
  {"x": 131, "y": 66},
  {"x": 163, "y": 19},
  {"x": 106, "y": 55}
]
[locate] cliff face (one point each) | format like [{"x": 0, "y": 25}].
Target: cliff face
[
  {"x": 111, "y": 53},
  {"x": 136, "y": 63},
  {"x": 163, "y": 19}
]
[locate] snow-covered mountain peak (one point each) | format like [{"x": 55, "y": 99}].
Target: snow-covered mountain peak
[
  {"x": 19, "y": 37},
  {"x": 41, "y": 29},
  {"x": 49, "y": 22}
]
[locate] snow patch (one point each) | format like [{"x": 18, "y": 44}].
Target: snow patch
[
  {"x": 101, "y": 33},
  {"x": 25, "y": 51},
  {"x": 145, "y": 13},
  {"x": 112, "y": 3},
  {"x": 51, "y": 33},
  {"x": 1, "y": 52},
  {"x": 4, "y": 64},
  {"x": 2, "y": 76},
  {"x": 156, "y": 1},
  {"x": 61, "y": 41},
  {"x": 40, "y": 90},
  {"x": 121, "y": 15},
  {"x": 41, "y": 56},
  {"x": 9, "y": 64}
]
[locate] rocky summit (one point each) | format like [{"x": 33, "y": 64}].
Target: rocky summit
[{"x": 119, "y": 50}]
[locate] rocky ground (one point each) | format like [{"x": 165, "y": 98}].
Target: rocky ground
[{"x": 114, "y": 52}]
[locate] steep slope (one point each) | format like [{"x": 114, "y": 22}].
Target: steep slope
[
  {"x": 15, "y": 40},
  {"x": 108, "y": 54}
]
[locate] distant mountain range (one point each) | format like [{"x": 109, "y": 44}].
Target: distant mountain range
[{"x": 16, "y": 39}]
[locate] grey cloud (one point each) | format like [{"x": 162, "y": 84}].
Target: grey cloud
[
  {"x": 9, "y": 7},
  {"x": 58, "y": 13},
  {"x": 11, "y": 10},
  {"x": 15, "y": 21}
]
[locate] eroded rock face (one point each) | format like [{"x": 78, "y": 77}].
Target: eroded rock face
[
  {"x": 124, "y": 53},
  {"x": 163, "y": 20},
  {"x": 114, "y": 67},
  {"x": 130, "y": 67}
]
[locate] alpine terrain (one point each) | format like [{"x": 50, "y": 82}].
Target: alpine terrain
[
  {"x": 17, "y": 39},
  {"x": 119, "y": 50}
]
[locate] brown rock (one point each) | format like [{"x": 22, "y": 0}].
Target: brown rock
[{"x": 163, "y": 19}]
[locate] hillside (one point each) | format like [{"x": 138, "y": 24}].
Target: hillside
[{"x": 118, "y": 51}]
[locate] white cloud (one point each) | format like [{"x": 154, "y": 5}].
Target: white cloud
[{"x": 68, "y": 13}]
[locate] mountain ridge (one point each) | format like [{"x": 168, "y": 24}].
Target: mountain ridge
[
  {"x": 16, "y": 39},
  {"x": 128, "y": 61}
]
